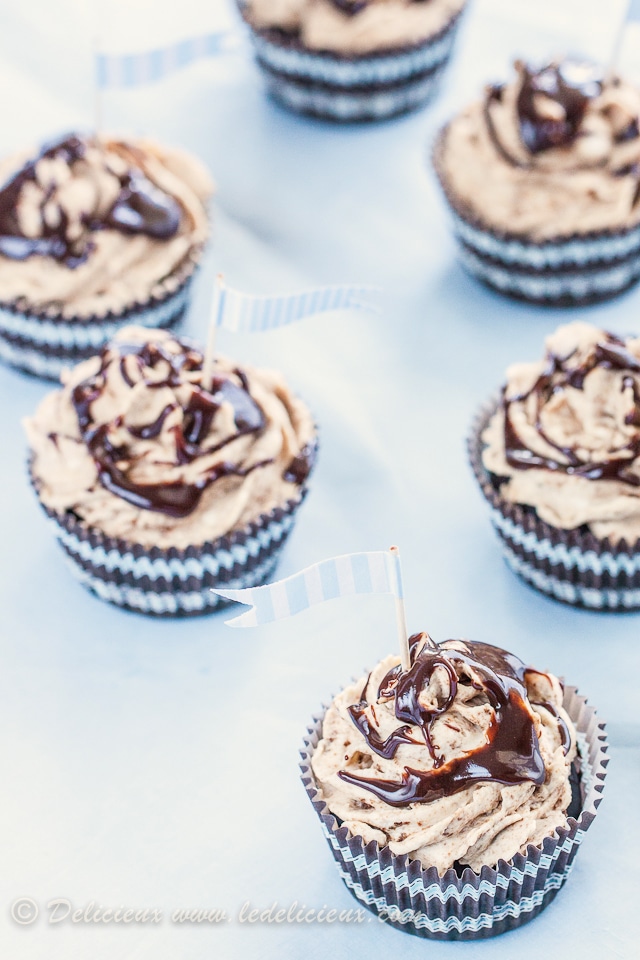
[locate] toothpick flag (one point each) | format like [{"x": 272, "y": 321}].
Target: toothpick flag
[
  {"x": 244, "y": 313},
  {"x": 136, "y": 69},
  {"x": 354, "y": 573}
]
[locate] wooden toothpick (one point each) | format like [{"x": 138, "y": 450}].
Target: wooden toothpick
[
  {"x": 216, "y": 315},
  {"x": 401, "y": 618}
]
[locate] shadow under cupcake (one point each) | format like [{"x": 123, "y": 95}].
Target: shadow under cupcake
[
  {"x": 543, "y": 180},
  {"x": 160, "y": 487},
  {"x": 557, "y": 457}
]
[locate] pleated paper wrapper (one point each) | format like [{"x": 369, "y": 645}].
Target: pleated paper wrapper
[
  {"x": 466, "y": 905},
  {"x": 44, "y": 342},
  {"x": 573, "y": 566},
  {"x": 571, "y": 270},
  {"x": 174, "y": 582},
  {"x": 352, "y": 88}
]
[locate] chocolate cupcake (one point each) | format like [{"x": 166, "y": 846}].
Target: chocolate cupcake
[
  {"x": 445, "y": 791},
  {"x": 95, "y": 234},
  {"x": 351, "y": 60},
  {"x": 159, "y": 487},
  {"x": 557, "y": 456},
  {"x": 543, "y": 179}
]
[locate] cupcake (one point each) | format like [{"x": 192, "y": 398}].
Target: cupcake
[
  {"x": 543, "y": 179},
  {"x": 557, "y": 456},
  {"x": 352, "y": 59},
  {"x": 95, "y": 234},
  {"x": 159, "y": 487},
  {"x": 454, "y": 795}
]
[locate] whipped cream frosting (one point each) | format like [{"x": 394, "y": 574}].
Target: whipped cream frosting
[
  {"x": 566, "y": 435},
  {"x": 553, "y": 153},
  {"x": 137, "y": 448},
  {"x": 462, "y": 759},
  {"x": 90, "y": 226},
  {"x": 353, "y": 26}
]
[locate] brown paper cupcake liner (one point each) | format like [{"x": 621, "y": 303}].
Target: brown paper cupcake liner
[
  {"x": 173, "y": 582},
  {"x": 570, "y": 270},
  {"x": 573, "y": 566},
  {"x": 43, "y": 343},
  {"x": 465, "y": 905},
  {"x": 347, "y": 88}
]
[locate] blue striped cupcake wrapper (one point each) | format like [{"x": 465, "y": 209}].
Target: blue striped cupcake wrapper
[
  {"x": 466, "y": 906},
  {"x": 342, "y": 88},
  {"x": 174, "y": 582},
  {"x": 572, "y": 566},
  {"x": 43, "y": 344},
  {"x": 561, "y": 271}
]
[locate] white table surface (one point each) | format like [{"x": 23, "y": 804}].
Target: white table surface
[{"x": 154, "y": 764}]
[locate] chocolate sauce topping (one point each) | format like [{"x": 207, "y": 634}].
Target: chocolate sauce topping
[
  {"x": 565, "y": 733},
  {"x": 568, "y": 86},
  {"x": 351, "y": 7},
  {"x": 139, "y": 208},
  {"x": 512, "y": 753},
  {"x": 566, "y": 89},
  {"x": 609, "y": 354},
  {"x": 302, "y": 465},
  {"x": 495, "y": 95},
  {"x": 114, "y": 463},
  {"x": 142, "y": 208}
]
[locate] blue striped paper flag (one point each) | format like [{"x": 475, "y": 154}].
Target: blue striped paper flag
[
  {"x": 633, "y": 13},
  {"x": 244, "y": 313},
  {"x": 354, "y": 573},
  {"x": 136, "y": 69}
]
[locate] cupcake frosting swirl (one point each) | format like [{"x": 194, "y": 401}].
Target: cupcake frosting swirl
[
  {"x": 567, "y": 434},
  {"x": 464, "y": 758},
  {"x": 353, "y": 27},
  {"x": 90, "y": 226},
  {"x": 138, "y": 448},
  {"x": 552, "y": 153}
]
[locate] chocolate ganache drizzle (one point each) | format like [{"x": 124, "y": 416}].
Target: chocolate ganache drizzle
[
  {"x": 550, "y": 107},
  {"x": 114, "y": 460},
  {"x": 140, "y": 207},
  {"x": 512, "y": 752},
  {"x": 352, "y": 7},
  {"x": 569, "y": 86},
  {"x": 610, "y": 353}
]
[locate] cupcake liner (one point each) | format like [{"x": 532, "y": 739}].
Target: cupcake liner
[
  {"x": 43, "y": 344},
  {"x": 573, "y": 566},
  {"x": 572, "y": 270},
  {"x": 173, "y": 582},
  {"x": 343, "y": 88},
  {"x": 466, "y": 905}
]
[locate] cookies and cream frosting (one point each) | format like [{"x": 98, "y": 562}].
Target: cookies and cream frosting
[
  {"x": 353, "y": 26},
  {"x": 566, "y": 436},
  {"x": 91, "y": 226},
  {"x": 553, "y": 153},
  {"x": 462, "y": 759},
  {"x": 139, "y": 449}
]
